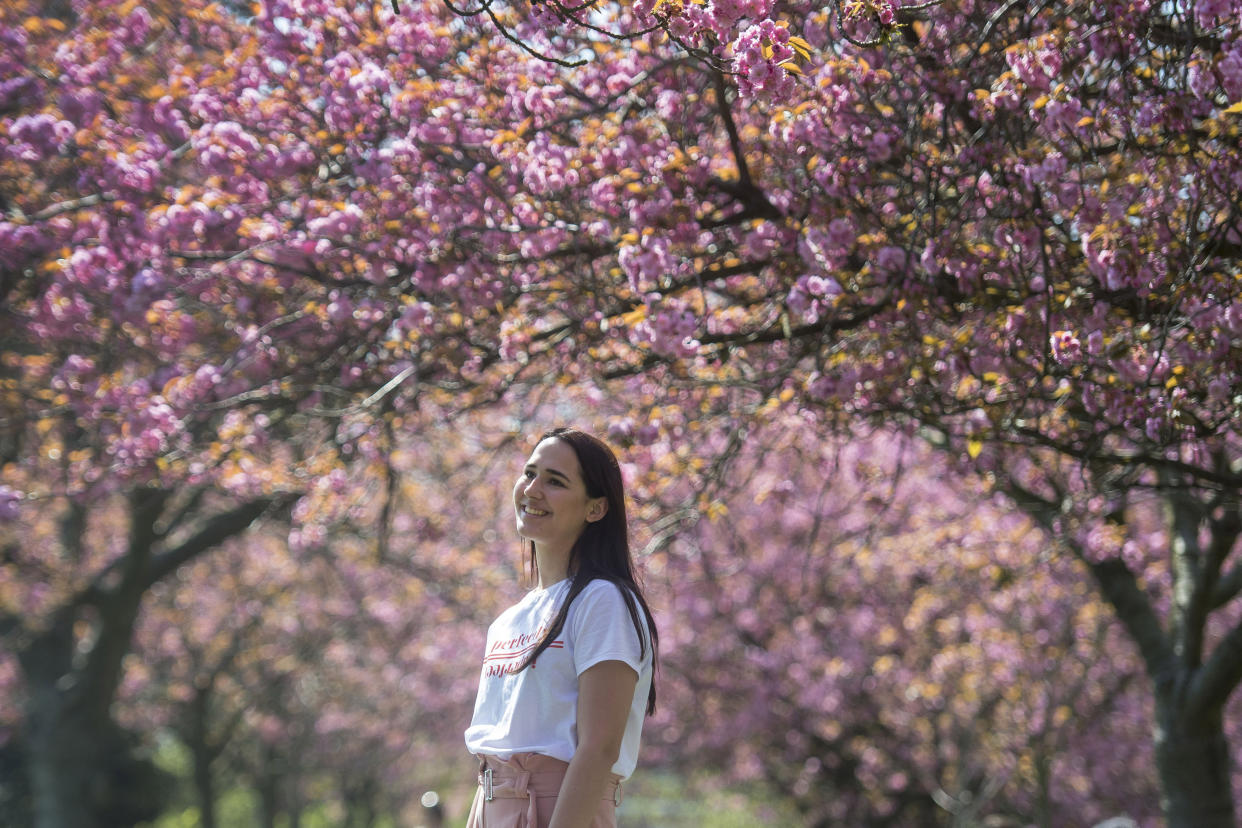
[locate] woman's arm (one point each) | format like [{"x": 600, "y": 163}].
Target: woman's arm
[{"x": 605, "y": 693}]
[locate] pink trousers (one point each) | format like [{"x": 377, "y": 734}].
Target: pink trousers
[{"x": 521, "y": 793}]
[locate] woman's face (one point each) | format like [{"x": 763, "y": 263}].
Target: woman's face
[{"x": 550, "y": 498}]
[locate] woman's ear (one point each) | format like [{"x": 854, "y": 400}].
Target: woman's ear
[{"x": 596, "y": 509}]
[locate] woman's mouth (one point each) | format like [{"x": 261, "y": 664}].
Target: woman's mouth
[{"x": 533, "y": 512}]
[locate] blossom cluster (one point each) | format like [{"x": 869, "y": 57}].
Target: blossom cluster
[
  {"x": 759, "y": 51},
  {"x": 669, "y": 330}
]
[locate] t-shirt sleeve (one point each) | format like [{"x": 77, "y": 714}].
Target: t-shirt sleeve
[{"x": 602, "y": 629}]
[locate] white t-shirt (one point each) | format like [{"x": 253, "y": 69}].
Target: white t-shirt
[{"x": 535, "y": 710}]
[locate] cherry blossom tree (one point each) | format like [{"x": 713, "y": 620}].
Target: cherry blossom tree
[
  {"x": 243, "y": 247},
  {"x": 335, "y": 675},
  {"x": 1015, "y": 227},
  {"x": 148, "y": 415},
  {"x": 894, "y": 647}
]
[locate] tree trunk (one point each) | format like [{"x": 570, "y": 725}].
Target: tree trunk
[
  {"x": 84, "y": 769},
  {"x": 203, "y": 757},
  {"x": 1192, "y": 758},
  {"x": 1191, "y": 684},
  {"x": 1043, "y": 780},
  {"x": 62, "y": 763},
  {"x": 205, "y": 790},
  {"x": 267, "y": 788}
]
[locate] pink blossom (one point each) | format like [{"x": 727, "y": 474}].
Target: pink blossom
[
  {"x": 758, "y": 75},
  {"x": 1230, "y": 69},
  {"x": 621, "y": 431},
  {"x": 37, "y": 136},
  {"x": 1065, "y": 347},
  {"x": 841, "y": 233},
  {"x": 890, "y": 259},
  {"x": 10, "y": 503},
  {"x": 1095, "y": 343}
]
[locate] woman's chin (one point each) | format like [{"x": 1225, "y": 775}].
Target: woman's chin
[{"x": 528, "y": 532}]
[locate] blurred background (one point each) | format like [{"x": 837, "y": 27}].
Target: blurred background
[
  {"x": 915, "y": 328},
  {"x": 850, "y": 635}
]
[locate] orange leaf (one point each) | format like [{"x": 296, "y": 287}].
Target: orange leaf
[{"x": 801, "y": 47}]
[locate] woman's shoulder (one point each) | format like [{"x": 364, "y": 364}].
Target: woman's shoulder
[
  {"x": 603, "y": 587},
  {"x": 606, "y": 609},
  {"x": 603, "y": 595}
]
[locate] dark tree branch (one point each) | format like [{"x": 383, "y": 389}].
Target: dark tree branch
[
  {"x": 1227, "y": 588},
  {"x": 815, "y": 331},
  {"x": 1216, "y": 593},
  {"x": 1118, "y": 586},
  {"x": 188, "y": 508},
  {"x": 214, "y": 532},
  {"x": 1153, "y": 459},
  {"x": 1189, "y": 575},
  {"x": 117, "y": 606},
  {"x": 755, "y": 203},
  {"x": 10, "y": 624},
  {"x": 1212, "y": 684}
]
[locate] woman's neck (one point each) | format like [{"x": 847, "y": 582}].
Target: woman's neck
[{"x": 552, "y": 565}]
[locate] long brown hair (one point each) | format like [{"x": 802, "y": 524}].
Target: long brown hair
[{"x": 602, "y": 551}]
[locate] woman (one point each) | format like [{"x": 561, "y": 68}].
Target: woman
[{"x": 567, "y": 673}]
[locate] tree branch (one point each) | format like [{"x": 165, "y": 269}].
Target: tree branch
[
  {"x": 755, "y": 203},
  {"x": 1189, "y": 577},
  {"x": 778, "y": 332},
  {"x": 1155, "y": 460},
  {"x": 10, "y": 623},
  {"x": 1211, "y": 685},
  {"x": 214, "y": 532},
  {"x": 1225, "y": 532},
  {"x": 1118, "y": 586},
  {"x": 1227, "y": 588}
]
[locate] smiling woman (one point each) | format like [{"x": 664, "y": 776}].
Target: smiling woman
[
  {"x": 553, "y": 507},
  {"x": 555, "y": 743}
]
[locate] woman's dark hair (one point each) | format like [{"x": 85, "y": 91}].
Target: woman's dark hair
[{"x": 602, "y": 551}]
